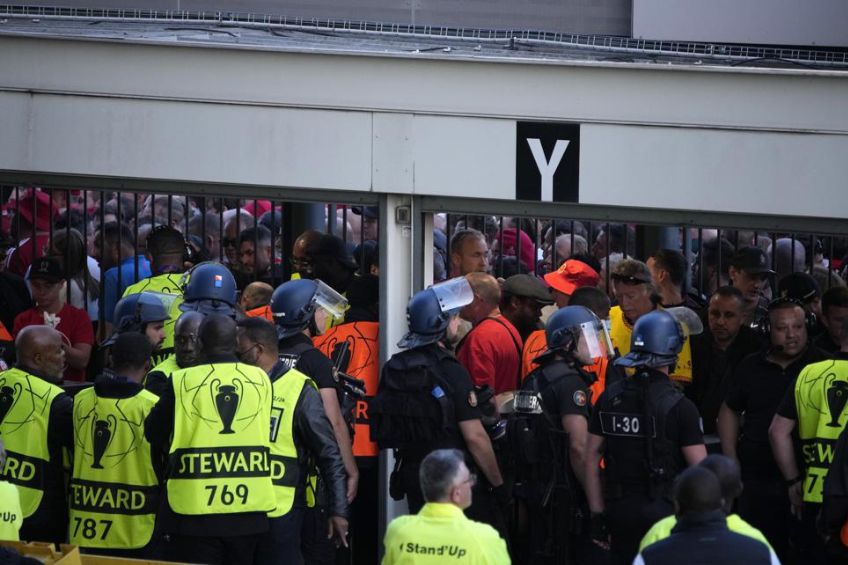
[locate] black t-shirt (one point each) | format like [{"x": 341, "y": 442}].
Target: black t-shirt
[
  {"x": 567, "y": 392},
  {"x": 824, "y": 342},
  {"x": 312, "y": 362},
  {"x": 682, "y": 428},
  {"x": 757, "y": 390}
]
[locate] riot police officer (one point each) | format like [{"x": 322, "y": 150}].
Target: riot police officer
[
  {"x": 142, "y": 312},
  {"x": 426, "y": 401},
  {"x": 549, "y": 429},
  {"x": 300, "y": 309},
  {"x": 210, "y": 289},
  {"x": 646, "y": 431}
]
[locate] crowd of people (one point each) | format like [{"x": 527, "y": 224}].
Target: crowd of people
[{"x": 585, "y": 404}]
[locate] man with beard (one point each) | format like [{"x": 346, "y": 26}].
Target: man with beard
[{"x": 522, "y": 299}]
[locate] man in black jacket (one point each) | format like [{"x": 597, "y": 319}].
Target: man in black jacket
[
  {"x": 313, "y": 440},
  {"x": 701, "y": 535},
  {"x": 717, "y": 352}
]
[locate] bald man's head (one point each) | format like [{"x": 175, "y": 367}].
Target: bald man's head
[
  {"x": 256, "y": 294},
  {"x": 216, "y": 336},
  {"x": 487, "y": 296},
  {"x": 301, "y": 252},
  {"x": 40, "y": 348}
]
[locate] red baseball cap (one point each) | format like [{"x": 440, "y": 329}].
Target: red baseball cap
[{"x": 572, "y": 275}]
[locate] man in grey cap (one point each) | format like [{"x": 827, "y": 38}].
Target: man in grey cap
[
  {"x": 749, "y": 272},
  {"x": 522, "y": 299}
]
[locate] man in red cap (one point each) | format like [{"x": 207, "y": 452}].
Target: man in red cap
[
  {"x": 33, "y": 213},
  {"x": 570, "y": 276}
]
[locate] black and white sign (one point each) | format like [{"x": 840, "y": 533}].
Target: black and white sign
[{"x": 547, "y": 164}]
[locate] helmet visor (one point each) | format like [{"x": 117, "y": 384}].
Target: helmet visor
[
  {"x": 593, "y": 341},
  {"x": 689, "y": 321},
  {"x": 453, "y": 294},
  {"x": 331, "y": 301}
]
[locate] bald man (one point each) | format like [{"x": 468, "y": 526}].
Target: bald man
[
  {"x": 255, "y": 300},
  {"x": 300, "y": 259},
  {"x": 491, "y": 352},
  {"x": 36, "y": 424}
]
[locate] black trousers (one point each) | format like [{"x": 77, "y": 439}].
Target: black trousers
[
  {"x": 629, "y": 518},
  {"x": 764, "y": 504},
  {"x": 282, "y": 542},
  {"x": 231, "y": 550},
  {"x": 316, "y": 548}
]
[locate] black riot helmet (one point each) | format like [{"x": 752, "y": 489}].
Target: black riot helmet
[
  {"x": 293, "y": 304},
  {"x": 577, "y": 331}
]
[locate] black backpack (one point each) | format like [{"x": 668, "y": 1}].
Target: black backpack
[
  {"x": 412, "y": 405},
  {"x": 538, "y": 444}
]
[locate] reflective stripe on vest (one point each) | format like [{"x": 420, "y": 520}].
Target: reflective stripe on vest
[
  {"x": 284, "y": 467},
  {"x": 114, "y": 490},
  {"x": 218, "y": 458},
  {"x": 821, "y": 393},
  {"x": 168, "y": 283},
  {"x": 25, "y": 402},
  {"x": 363, "y": 363},
  {"x": 621, "y": 332}
]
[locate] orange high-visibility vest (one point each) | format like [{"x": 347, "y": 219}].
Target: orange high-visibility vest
[
  {"x": 363, "y": 363},
  {"x": 261, "y": 312},
  {"x": 537, "y": 343}
]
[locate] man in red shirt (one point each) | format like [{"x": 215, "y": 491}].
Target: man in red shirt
[
  {"x": 48, "y": 291},
  {"x": 491, "y": 352}
]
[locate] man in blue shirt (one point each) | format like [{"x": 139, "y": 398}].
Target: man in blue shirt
[{"x": 114, "y": 248}]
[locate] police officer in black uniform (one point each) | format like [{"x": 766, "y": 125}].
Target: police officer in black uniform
[
  {"x": 646, "y": 431},
  {"x": 549, "y": 437},
  {"x": 300, "y": 309},
  {"x": 426, "y": 401}
]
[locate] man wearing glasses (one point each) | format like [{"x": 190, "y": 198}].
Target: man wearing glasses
[{"x": 440, "y": 531}]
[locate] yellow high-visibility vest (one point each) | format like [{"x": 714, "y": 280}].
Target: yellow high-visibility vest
[
  {"x": 821, "y": 395},
  {"x": 219, "y": 455},
  {"x": 114, "y": 489},
  {"x": 25, "y": 402},
  {"x": 285, "y": 472}
]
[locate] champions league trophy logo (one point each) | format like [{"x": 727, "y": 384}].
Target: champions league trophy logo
[
  {"x": 226, "y": 402},
  {"x": 837, "y": 396},
  {"x": 101, "y": 436},
  {"x": 8, "y": 397}
]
